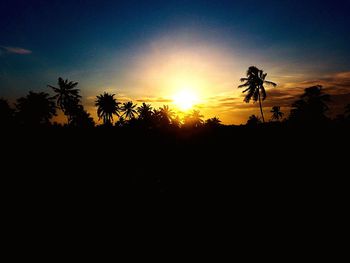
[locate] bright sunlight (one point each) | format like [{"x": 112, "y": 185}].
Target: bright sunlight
[{"x": 185, "y": 99}]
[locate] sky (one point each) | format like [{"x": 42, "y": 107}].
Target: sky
[{"x": 152, "y": 50}]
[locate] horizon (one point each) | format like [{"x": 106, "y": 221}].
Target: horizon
[{"x": 157, "y": 51}]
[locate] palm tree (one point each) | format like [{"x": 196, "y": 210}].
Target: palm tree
[
  {"x": 213, "y": 122},
  {"x": 107, "y": 106},
  {"x": 176, "y": 122},
  {"x": 145, "y": 111},
  {"x": 121, "y": 122},
  {"x": 129, "y": 110},
  {"x": 35, "y": 109},
  {"x": 194, "y": 119},
  {"x": 166, "y": 114},
  {"x": 312, "y": 106},
  {"x": 276, "y": 113},
  {"x": 253, "y": 121},
  {"x": 254, "y": 82},
  {"x": 67, "y": 96}
]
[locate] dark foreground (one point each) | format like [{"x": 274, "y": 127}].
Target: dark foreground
[{"x": 239, "y": 161}]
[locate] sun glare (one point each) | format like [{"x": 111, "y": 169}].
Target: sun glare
[{"x": 185, "y": 99}]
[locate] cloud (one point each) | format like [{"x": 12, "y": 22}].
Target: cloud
[
  {"x": 14, "y": 50},
  {"x": 154, "y": 100},
  {"x": 232, "y": 108}
]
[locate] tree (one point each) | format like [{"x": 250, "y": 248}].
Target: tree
[
  {"x": 129, "y": 109},
  {"x": 145, "y": 111},
  {"x": 176, "y": 122},
  {"x": 165, "y": 115},
  {"x": 194, "y": 119},
  {"x": 67, "y": 97},
  {"x": 254, "y": 84},
  {"x": 213, "y": 122},
  {"x": 253, "y": 121},
  {"x": 312, "y": 106},
  {"x": 276, "y": 113},
  {"x": 35, "y": 109},
  {"x": 6, "y": 113},
  {"x": 121, "y": 122},
  {"x": 107, "y": 106},
  {"x": 82, "y": 119}
]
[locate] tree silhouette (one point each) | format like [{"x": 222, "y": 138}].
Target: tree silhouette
[
  {"x": 107, "y": 106},
  {"x": 213, "y": 122},
  {"x": 253, "y": 121},
  {"x": 129, "y": 109},
  {"x": 6, "y": 113},
  {"x": 82, "y": 119},
  {"x": 276, "y": 113},
  {"x": 176, "y": 122},
  {"x": 67, "y": 97},
  {"x": 35, "y": 109},
  {"x": 254, "y": 84},
  {"x": 312, "y": 106},
  {"x": 121, "y": 122},
  {"x": 145, "y": 111},
  {"x": 194, "y": 119},
  {"x": 165, "y": 115}
]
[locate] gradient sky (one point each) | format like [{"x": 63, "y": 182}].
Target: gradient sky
[{"x": 149, "y": 50}]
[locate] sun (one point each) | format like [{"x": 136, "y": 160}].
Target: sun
[{"x": 185, "y": 99}]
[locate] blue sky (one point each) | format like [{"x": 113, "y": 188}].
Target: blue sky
[{"x": 113, "y": 45}]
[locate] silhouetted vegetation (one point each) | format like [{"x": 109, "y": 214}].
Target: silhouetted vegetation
[
  {"x": 143, "y": 138},
  {"x": 276, "y": 113},
  {"x": 311, "y": 108},
  {"x": 254, "y": 84}
]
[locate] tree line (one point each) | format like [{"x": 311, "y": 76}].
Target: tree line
[{"x": 37, "y": 109}]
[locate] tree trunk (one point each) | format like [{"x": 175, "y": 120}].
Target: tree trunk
[{"x": 261, "y": 110}]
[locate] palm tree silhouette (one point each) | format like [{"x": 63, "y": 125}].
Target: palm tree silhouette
[
  {"x": 194, "y": 119},
  {"x": 254, "y": 82},
  {"x": 121, "y": 122},
  {"x": 67, "y": 96},
  {"x": 145, "y": 111},
  {"x": 253, "y": 121},
  {"x": 35, "y": 109},
  {"x": 176, "y": 122},
  {"x": 166, "y": 114},
  {"x": 129, "y": 110},
  {"x": 276, "y": 113},
  {"x": 107, "y": 106},
  {"x": 213, "y": 122},
  {"x": 312, "y": 106}
]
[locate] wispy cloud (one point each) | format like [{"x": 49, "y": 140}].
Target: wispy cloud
[{"x": 14, "y": 50}]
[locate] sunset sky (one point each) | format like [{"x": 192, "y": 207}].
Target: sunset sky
[{"x": 154, "y": 50}]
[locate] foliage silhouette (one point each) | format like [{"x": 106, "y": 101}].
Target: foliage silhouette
[
  {"x": 107, "y": 106},
  {"x": 194, "y": 119},
  {"x": 129, "y": 110},
  {"x": 67, "y": 97},
  {"x": 254, "y": 84},
  {"x": 6, "y": 113},
  {"x": 253, "y": 121},
  {"x": 276, "y": 113},
  {"x": 35, "y": 109},
  {"x": 82, "y": 119},
  {"x": 165, "y": 115},
  {"x": 311, "y": 108},
  {"x": 145, "y": 111},
  {"x": 213, "y": 122}
]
